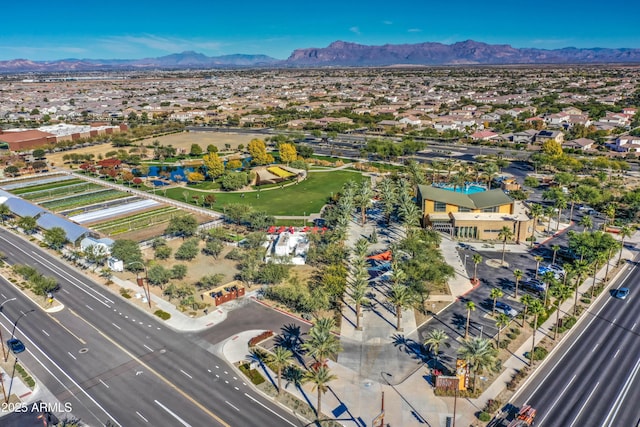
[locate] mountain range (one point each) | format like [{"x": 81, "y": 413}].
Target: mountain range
[{"x": 345, "y": 54}]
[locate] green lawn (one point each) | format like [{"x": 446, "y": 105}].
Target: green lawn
[{"x": 305, "y": 198}]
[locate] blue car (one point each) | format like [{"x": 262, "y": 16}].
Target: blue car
[
  {"x": 621, "y": 293},
  {"x": 15, "y": 345}
]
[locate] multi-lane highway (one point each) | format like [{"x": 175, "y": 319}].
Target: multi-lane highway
[
  {"x": 115, "y": 363},
  {"x": 593, "y": 378}
]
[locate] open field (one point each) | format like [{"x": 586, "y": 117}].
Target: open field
[{"x": 305, "y": 198}]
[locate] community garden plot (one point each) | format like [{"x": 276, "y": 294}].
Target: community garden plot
[
  {"x": 95, "y": 216},
  {"x": 37, "y": 181}
]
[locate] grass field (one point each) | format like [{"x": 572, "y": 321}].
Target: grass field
[{"x": 305, "y": 198}]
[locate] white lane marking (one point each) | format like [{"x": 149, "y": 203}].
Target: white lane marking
[
  {"x": 32, "y": 344},
  {"x": 116, "y": 326},
  {"x": 45, "y": 332},
  {"x": 614, "y": 356},
  {"x": 170, "y": 412},
  {"x": 3, "y": 296},
  {"x": 614, "y": 320},
  {"x": 140, "y": 415},
  {"x": 217, "y": 376},
  {"x": 87, "y": 305},
  {"x": 227, "y": 402},
  {"x": 226, "y": 373},
  {"x": 186, "y": 374},
  {"x": 594, "y": 348},
  {"x": 555, "y": 402},
  {"x": 69, "y": 353},
  {"x": 584, "y": 405},
  {"x": 66, "y": 291},
  {"x": 217, "y": 367},
  {"x": 270, "y": 410},
  {"x": 236, "y": 388},
  {"x": 226, "y": 381},
  {"x": 613, "y": 413},
  {"x": 634, "y": 326},
  {"x": 209, "y": 370},
  {"x": 148, "y": 348},
  {"x": 104, "y": 384},
  {"x": 235, "y": 378}
]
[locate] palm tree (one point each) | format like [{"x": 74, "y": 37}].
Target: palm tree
[
  {"x": 505, "y": 234},
  {"x": 320, "y": 376},
  {"x": 555, "y": 249},
  {"x": 538, "y": 259},
  {"x": 561, "y": 203},
  {"x": 586, "y": 222},
  {"x": 477, "y": 259},
  {"x": 495, "y": 294},
  {"x": 549, "y": 279},
  {"x": 625, "y": 231},
  {"x": 471, "y": 306},
  {"x": 536, "y": 308},
  {"x": 361, "y": 248},
  {"x": 612, "y": 247},
  {"x": 401, "y": 297},
  {"x": 479, "y": 354},
  {"x": 364, "y": 196},
  {"x": 536, "y": 211},
  {"x": 561, "y": 293},
  {"x": 599, "y": 258},
  {"x": 610, "y": 212},
  {"x": 410, "y": 215},
  {"x": 436, "y": 167},
  {"x": 434, "y": 340},
  {"x": 548, "y": 212},
  {"x": 279, "y": 359},
  {"x": 359, "y": 291},
  {"x": 501, "y": 321},
  {"x": 573, "y": 199},
  {"x": 526, "y": 301},
  {"x": 517, "y": 274},
  {"x": 387, "y": 197},
  {"x": 581, "y": 268},
  {"x": 5, "y": 211},
  {"x": 321, "y": 344}
]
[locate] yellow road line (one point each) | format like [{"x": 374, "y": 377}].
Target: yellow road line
[{"x": 67, "y": 329}]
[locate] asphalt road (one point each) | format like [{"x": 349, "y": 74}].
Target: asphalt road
[
  {"x": 592, "y": 378},
  {"x": 113, "y": 362}
]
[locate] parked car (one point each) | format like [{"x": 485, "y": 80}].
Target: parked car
[
  {"x": 535, "y": 286},
  {"x": 620, "y": 293},
  {"x": 505, "y": 308}
]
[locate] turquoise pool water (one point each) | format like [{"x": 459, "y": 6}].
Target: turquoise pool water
[{"x": 467, "y": 189}]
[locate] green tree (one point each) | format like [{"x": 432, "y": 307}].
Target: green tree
[
  {"x": 196, "y": 150},
  {"x": 471, "y": 306},
  {"x": 555, "y": 249},
  {"x": 279, "y": 359},
  {"x": 625, "y": 231},
  {"x": 358, "y": 294},
  {"x": 477, "y": 259},
  {"x": 128, "y": 251},
  {"x": 536, "y": 308},
  {"x": 581, "y": 268},
  {"x": 5, "y": 212},
  {"x": 364, "y": 197},
  {"x": 320, "y": 376},
  {"x": 158, "y": 275},
  {"x": 479, "y": 354},
  {"x": 188, "y": 250},
  {"x": 182, "y": 226},
  {"x": 561, "y": 293},
  {"x": 55, "y": 238},
  {"x": 501, "y": 321},
  {"x": 213, "y": 248},
  {"x": 538, "y": 259},
  {"x": 494, "y": 295},
  {"x": 321, "y": 344},
  {"x": 28, "y": 224},
  {"x": 536, "y": 211},
  {"x": 178, "y": 271}
]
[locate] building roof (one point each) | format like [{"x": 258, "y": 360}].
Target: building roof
[
  {"x": 73, "y": 230},
  {"x": 19, "y": 206},
  {"x": 26, "y": 135},
  {"x": 481, "y": 200}
]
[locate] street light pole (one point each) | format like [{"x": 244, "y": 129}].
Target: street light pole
[
  {"x": 4, "y": 353},
  {"x": 141, "y": 281},
  {"x": 13, "y": 372}
]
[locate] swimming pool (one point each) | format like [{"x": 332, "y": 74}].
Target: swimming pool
[{"x": 466, "y": 189}]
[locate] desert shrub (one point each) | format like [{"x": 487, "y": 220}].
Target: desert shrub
[
  {"x": 484, "y": 417},
  {"x": 162, "y": 314},
  {"x": 539, "y": 353},
  {"x": 259, "y": 338},
  {"x": 254, "y": 376},
  {"x": 504, "y": 343},
  {"x": 188, "y": 250},
  {"x": 126, "y": 293}
]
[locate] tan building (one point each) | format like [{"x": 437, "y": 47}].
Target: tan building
[{"x": 477, "y": 216}]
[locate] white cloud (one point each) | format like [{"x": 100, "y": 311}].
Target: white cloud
[
  {"x": 158, "y": 43},
  {"x": 387, "y": 22},
  {"x": 414, "y": 30},
  {"x": 30, "y": 52},
  {"x": 355, "y": 30}
]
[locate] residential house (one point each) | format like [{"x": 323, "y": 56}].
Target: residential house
[
  {"x": 524, "y": 137},
  {"x": 627, "y": 143},
  {"x": 546, "y": 135},
  {"x": 584, "y": 144}
]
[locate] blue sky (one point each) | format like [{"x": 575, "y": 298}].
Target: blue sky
[{"x": 47, "y": 30}]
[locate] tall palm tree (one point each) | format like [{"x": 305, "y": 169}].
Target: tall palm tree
[
  {"x": 471, "y": 306},
  {"x": 536, "y": 211},
  {"x": 361, "y": 248},
  {"x": 536, "y": 308},
  {"x": 436, "y": 167},
  {"x": 505, "y": 234},
  {"x": 358, "y": 294},
  {"x": 410, "y": 215},
  {"x": 586, "y": 222},
  {"x": 364, "y": 196},
  {"x": 321, "y": 344},
  {"x": 561, "y": 203},
  {"x": 415, "y": 172},
  {"x": 625, "y": 231},
  {"x": 526, "y": 300},
  {"x": 573, "y": 199},
  {"x": 320, "y": 376},
  {"x": 494, "y": 295},
  {"x": 549, "y": 279},
  {"x": 401, "y": 297},
  {"x": 555, "y": 249},
  {"x": 501, "y": 321},
  {"x": 388, "y": 198},
  {"x": 477, "y": 259},
  {"x": 538, "y": 259},
  {"x": 598, "y": 259},
  {"x": 581, "y": 268},
  {"x": 434, "y": 340},
  {"x": 548, "y": 212},
  {"x": 280, "y": 359},
  {"x": 479, "y": 354},
  {"x": 610, "y": 212},
  {"x": 613, "y": 246},
  {"x": 561, "y": 293},
  {"x": 517, "y": 274}
]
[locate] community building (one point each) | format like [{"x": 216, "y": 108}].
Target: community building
[{"x": 473, "y": 214}]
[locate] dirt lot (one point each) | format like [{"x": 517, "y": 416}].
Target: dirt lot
[{"x": 178, "y": 140}]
